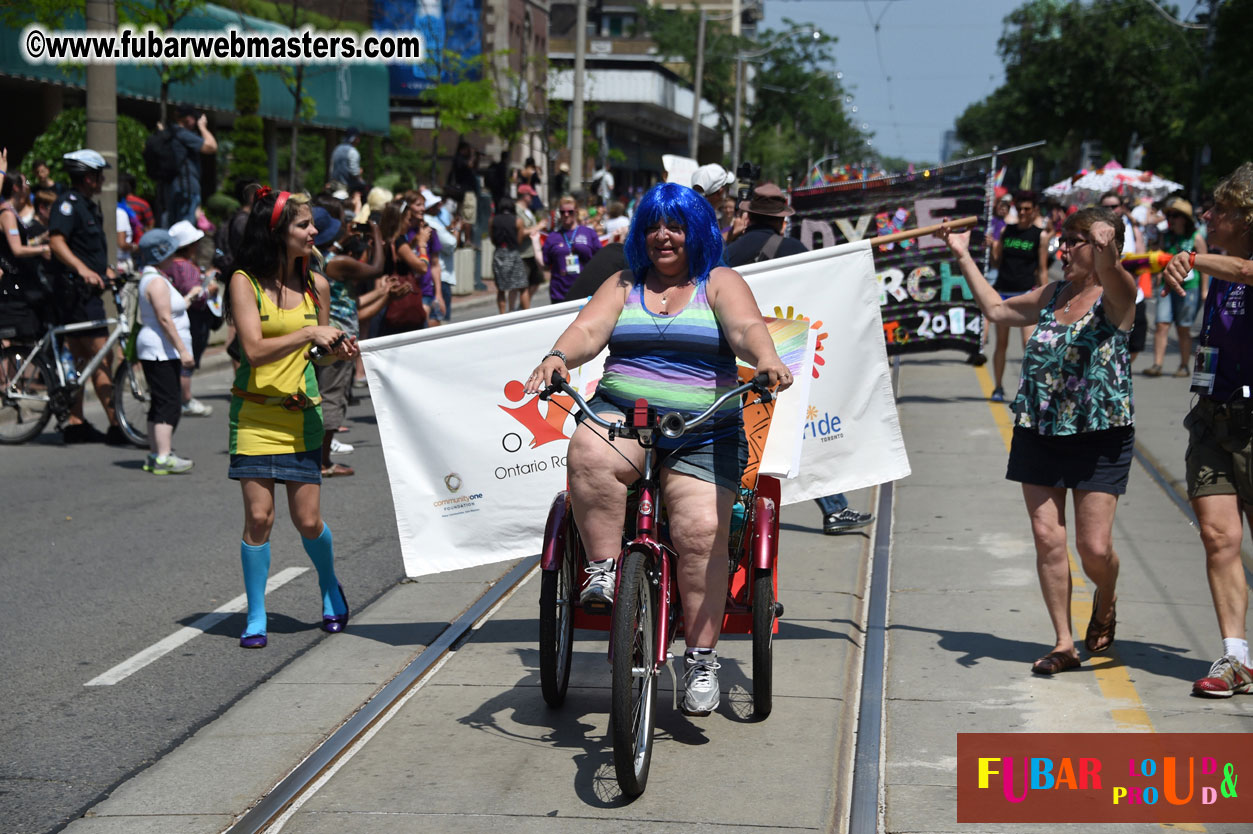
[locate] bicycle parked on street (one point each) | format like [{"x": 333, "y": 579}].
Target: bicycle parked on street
[
  {"x": 36, "y": 385},
  {"x": 647, "y": 615}
]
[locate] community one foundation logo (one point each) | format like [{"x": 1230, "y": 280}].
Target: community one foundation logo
[{"x": 1103, "y": 777}]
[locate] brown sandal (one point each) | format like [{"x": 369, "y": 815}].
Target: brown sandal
[
  {"x": 1055, "y": 662},
  {"x": 1100, "y": 636},
  {"x": 337, "y": 470}
]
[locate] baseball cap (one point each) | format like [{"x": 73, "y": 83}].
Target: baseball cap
[{"x": 709, "y": 178}]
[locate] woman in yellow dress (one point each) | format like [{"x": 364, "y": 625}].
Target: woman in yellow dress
[{"x": 280, "y": 310}]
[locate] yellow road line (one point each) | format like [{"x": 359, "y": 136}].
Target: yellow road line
[{"x": 1108, "y": 669}]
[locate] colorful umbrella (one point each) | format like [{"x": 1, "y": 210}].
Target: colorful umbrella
[{"x": 1086, "y": 186}]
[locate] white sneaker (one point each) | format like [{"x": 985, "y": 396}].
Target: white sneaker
[
  {"x": 700, "y": 683},
  {"x": 195, "y": 408},
  {"x": 598, "y": 590},
  {"x": 170, "y": 464},
  {"x": 338, "y": 448}
]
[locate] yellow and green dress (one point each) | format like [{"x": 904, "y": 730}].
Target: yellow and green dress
[{"x": 276, "y": 408}]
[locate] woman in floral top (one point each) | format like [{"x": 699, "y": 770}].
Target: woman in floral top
[{"x": 1073, "y": 425}]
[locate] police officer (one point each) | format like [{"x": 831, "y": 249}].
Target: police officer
[{"x": 76, "y": 234}]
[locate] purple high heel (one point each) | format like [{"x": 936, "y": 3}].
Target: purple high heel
[
  {"x": 252, "y": 641},
  {"x": 335, "y": 623}
]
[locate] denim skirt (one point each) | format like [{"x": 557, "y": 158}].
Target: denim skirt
[{"x": 298, "y": 467}]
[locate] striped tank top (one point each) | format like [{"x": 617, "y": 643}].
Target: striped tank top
[
  {"x": 260, "y": 429},
  {"x": 678, "y": 363}
]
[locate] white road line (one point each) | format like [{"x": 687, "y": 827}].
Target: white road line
[{"x": 240, "y": 603}]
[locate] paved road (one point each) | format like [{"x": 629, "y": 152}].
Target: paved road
[{"x": 102, "y": 561}]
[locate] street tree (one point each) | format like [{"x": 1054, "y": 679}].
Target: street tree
[
  {"x": 249, "y": 161},
  {"x": 675, "y": 32},
  {"x": 165, "y": 15},
  {"x": 799, "y": 114},
  {"x": 1103, "y": 70}
]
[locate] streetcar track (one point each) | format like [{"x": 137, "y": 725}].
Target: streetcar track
[
  {"x": 275, "y": 808},
  {"x": 298, "y": 786}
]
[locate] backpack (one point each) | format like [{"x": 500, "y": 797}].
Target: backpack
[{"x": 160, "y": 158}]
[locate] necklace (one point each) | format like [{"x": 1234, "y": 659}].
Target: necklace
[
  {"x": 666, "y": 294},
  {"x": 1070, "y": 301}
]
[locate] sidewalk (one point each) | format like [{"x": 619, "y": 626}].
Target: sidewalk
[{"x": 476, "y": 750}]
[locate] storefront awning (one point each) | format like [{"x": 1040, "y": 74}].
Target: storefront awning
[{"x": 345, "y": 95}]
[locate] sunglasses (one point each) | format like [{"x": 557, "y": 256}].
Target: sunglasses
[
  {"x": 568, "y": 211},
  {"x": 1111, "y": 205}
]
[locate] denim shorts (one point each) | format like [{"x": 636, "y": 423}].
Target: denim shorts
[
  {"x": 720, "y": 462},
  {"x": 1176, "y": 309},
  {"x": 298, "y": 467}
]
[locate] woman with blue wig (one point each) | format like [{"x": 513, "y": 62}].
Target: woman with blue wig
[{"x": 674, "y": 324}]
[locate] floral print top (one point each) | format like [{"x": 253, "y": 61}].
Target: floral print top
[{"x": 1075, "y": 378}]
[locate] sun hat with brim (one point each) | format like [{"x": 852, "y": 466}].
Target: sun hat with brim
[
  {"x": 430, "y": 199},
  {"x": 185, "y": 234},
  {"x": 155, "y": 246},
  {"x": 1179, "y": 206},
  {"x": 768, "y": 201},
  {"x": 327, "y": 226}
]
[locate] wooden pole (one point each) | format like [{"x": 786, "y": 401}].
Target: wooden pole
[{"x": 923, "y": 231}]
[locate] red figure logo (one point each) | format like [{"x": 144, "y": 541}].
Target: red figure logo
[{"x": 544, "y": 428}]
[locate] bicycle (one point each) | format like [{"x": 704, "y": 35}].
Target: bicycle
[
  {"x": 35, "y": 385},
  {"x": 646, "y": 616}
]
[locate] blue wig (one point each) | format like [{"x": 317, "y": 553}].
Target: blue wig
[{"x": 677, "y": 204}]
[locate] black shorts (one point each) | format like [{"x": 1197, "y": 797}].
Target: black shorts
[
  {"x": 164, "y": 390},
  {"x": 201, "y": 322},
  {"x": 1135, "y": 344},
  {"x": 76, "y": 301},
  {"x": 1098, "y": 461}
]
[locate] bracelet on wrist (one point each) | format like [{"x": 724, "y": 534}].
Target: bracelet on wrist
[
  {"x": 558, "y": 354},
  {"x": 1191, "y": 260}
]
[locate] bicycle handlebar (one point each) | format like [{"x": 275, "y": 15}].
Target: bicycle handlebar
[{"x": 672, "y": 424}]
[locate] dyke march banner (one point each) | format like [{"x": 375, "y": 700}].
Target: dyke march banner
[
  {"x": 925, "y": 302},
  {"x": 474, "y": 463}
]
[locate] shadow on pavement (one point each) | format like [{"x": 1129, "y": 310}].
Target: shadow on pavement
[
  {"x": 527, "y": 719},
  {"x": 233, "y": 626}
]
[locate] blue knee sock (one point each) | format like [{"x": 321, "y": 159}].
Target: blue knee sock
[
  {"x": 256, "y": 561},
  {"x": 322, "y": 553}
]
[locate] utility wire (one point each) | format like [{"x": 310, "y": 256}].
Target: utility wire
[{"x": 878, "y": 48}]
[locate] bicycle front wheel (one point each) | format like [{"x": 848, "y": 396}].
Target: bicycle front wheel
[
  {"x": 130, "y": 401},
  {"x": 632, "y": 712},
  {"x": 25, "y": 406}
]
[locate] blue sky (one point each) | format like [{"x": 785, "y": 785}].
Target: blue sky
[{"x": 939, "y": 54}]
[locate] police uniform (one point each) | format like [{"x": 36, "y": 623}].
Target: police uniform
[{"x": 78, "y": 220}]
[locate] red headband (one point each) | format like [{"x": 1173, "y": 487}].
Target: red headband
[{"x": 278, "y": 208}]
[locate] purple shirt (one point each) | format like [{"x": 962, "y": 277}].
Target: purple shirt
[
  {"x": 1230, "y": 330},
  {"x": 432, "y": 252},
  {"x": 185, "y": 275},
  {"x": 583, "y": 241}
]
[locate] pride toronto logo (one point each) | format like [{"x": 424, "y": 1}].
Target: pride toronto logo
[{"x": 1103, "y": 777}]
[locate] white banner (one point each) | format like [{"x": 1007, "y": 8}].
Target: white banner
[{"x": 474, "y": 463}]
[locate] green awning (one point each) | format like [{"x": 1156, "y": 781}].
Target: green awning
[{"x": 345, "y": 95}]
